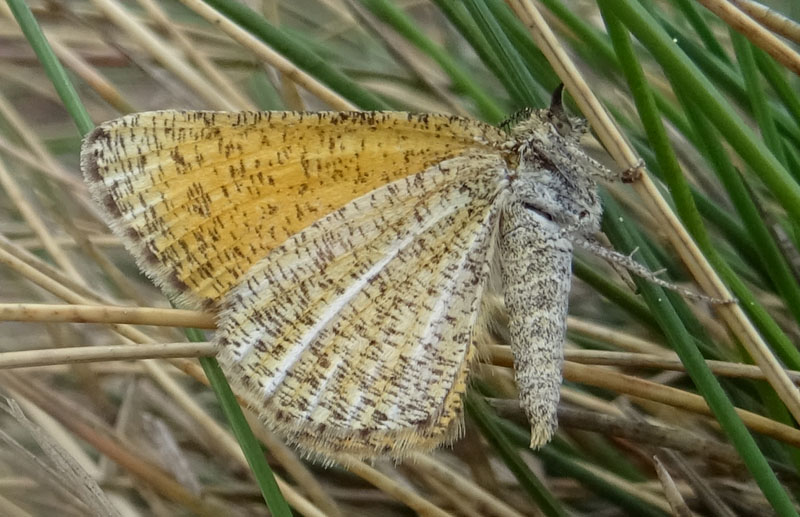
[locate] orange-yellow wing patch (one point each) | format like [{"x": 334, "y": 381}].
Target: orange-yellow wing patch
[{"x": 198, "y": 197}]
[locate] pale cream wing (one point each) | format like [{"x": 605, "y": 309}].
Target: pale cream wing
[
  {"x": 198, "y": 197},
  {"x": 355, "y": 334}
]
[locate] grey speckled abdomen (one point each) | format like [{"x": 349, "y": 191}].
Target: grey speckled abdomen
[{"x": 536, "y": 264}]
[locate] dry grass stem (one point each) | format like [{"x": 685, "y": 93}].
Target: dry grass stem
[
  {"x": 51, "y": 356},
  {"x": 638, "y": 490},
  {"x": 295, "y": 467},
  {"x": 484, "y": 502},
  {"x": 91, "y": 76},
  {"x": 262, "y": 51},
  {"x": 636, "y": 430},
  {"x": 102, "y": 438},
  {"x": 701, "y": 486},
  {"x": 106, "y": 314},
  {"x": 614, "y": 337},
  {"x": 217, "y": 435},
  {"x": 602, "y": 378},
  {"x": 418, "y": 63},
  {"x": 770, "y": 19},
  {"x": 205, "y": 65},
  {"x": 671, "y": 492},
  {"x": 500, "y": 355},
  {"x": 589, "y": 402},
  {"x": 59, "y": 174},
  {"x": 24, "y": 262},
  {"x": 163, "y": 53},
  {"x": 392, "y": 488},
  {"x": 758, "y": 36},
  {"x": 31, "y": 216}
]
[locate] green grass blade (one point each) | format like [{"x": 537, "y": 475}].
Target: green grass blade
[
  {"x": 615, "y": 294},
  {"x": 261, "y": 470},
  {"x": 511, "y": 62},
  {"x": 520, "y": 39},
  {"x": 593, "y": 44},
  {"x": 756, "y": 94},
  {"x": 389, "y": 13},
  {"x": 458, "y": 15},
  {"x": 767, "y": 250},
  {"x": 685, "y": 75},
  {"x": 680, "y": 340},
  {"x": 786, "y": 92},
  {"x": 531, "y": 56},
  {"x": 244, "y": 435},
  {"x": 694, "y": 15},
  {"x": 686, "y": 208}
]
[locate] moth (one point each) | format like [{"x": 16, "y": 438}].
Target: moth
[{"x": 346, "y": 254}]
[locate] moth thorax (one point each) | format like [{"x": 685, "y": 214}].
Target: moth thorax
[{"x": 561, "y": 194}]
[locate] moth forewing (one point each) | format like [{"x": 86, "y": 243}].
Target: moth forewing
[{"x": 356, "y": 333}]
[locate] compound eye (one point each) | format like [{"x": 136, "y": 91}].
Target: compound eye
[{"x": 563, "y": 127}]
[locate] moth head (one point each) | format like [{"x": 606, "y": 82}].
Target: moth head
[
  {"x": 548, "y": 120},
  {"x": 568, "y": 127},
  {"x": 553, "y": 176}
]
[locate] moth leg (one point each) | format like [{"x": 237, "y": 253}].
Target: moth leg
[
  {"x": 627, "y": 262},
  {"x": 536, "y": 269},
  {"x": 633, "y": 173}
]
